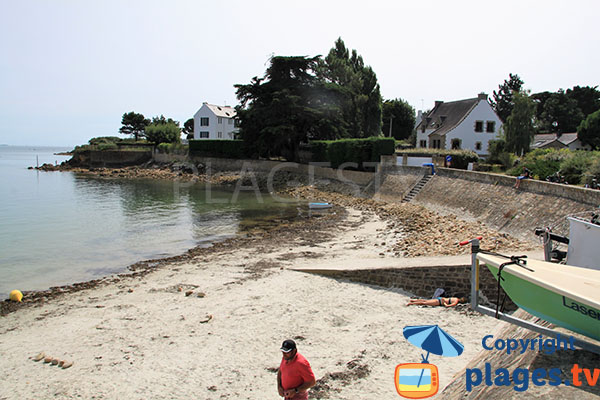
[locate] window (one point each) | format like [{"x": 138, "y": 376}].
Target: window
[
  {"x": 477, "y": 145},
  {"x": 478, "y": 126},
  {"x": 437, "y": 144},
  {"x": 220, "y": 120},
  {"x": 204, "y": 121},
  {"x": 491, "y": 127},
  {"x": 230, "y": 134},
  {"x": 204, "y": 135},
  {"x": 230, "y": 121},
  {"x": 423, "y": 143},
  {"x": 455, "y": 144},
  {"x": 220, "y": 135}
]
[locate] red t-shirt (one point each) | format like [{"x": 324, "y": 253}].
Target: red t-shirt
[{"x": 295, "y": 372}]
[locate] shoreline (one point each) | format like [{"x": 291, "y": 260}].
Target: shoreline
[{"x": 143, "y": 267}]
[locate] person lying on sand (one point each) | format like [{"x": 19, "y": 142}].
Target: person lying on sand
[{"x": 438, "y": 301}]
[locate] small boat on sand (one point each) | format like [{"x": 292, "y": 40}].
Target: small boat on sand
[
  {"x": 566, "y": 296},
  {"x": 319, "y": 206}
]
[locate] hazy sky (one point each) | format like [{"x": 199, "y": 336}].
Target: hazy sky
[{"x": 70, "y": 69}]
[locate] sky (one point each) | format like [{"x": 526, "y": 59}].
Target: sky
[{"x": 69, "y": 69}]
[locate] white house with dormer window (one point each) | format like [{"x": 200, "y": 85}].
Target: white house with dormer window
[
  {"x": 464, "y": 124},
  {"x": 214, "y": 122}
]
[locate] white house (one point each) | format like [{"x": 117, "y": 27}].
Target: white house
[
  {"x": 214, "y": 122},
  {"x": 464, "y": 124},
  {"x": 558, "y": 141}
]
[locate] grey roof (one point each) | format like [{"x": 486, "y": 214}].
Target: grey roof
[
  {"x": 222, "y": 111},
  {"x": 446, "y": 116},
  {"x": 543, "y": 140}
]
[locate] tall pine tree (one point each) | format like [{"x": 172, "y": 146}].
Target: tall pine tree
[
  {"x": 360, "y": 92},
  {"x": 503, "y": 99}
]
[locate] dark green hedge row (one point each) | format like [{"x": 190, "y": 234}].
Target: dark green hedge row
[
  {"x": 217, "y": 148},
  {"x": 338, "y": 152}
]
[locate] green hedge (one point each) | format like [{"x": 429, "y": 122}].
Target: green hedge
[
  {"x": 217, "y": 148},
  {"x": 360, "y": 151}
]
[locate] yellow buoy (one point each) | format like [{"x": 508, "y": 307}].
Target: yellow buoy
[{"x": 16, "y": 295}]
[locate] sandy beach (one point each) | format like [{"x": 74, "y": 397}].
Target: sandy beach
[{"x": 209, "y": 324}]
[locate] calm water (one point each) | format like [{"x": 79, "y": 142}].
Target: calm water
[{"x": 58, "y": 228}]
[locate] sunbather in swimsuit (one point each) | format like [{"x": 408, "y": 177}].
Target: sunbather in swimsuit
[{"x": 438, "y": 301}]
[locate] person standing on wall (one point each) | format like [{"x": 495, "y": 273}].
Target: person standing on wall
[{"x": 295, "y": 376}]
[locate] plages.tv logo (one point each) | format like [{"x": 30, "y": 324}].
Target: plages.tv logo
[{"x": 421, "y": 380}]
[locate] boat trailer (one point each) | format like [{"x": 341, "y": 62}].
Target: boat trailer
[{"x": 582, "y": 344}]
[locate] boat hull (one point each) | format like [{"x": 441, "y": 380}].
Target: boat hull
[
  {"x": 319, "y": 206},
  {"x": 552, "y": 305}
]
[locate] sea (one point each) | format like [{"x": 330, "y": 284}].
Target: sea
[{"x": 59, "y": 228}]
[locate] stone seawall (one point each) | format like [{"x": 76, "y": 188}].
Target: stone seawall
[{"x": 491, "y": 199}]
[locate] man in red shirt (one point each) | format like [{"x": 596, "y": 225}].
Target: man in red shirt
[{"x": 295, "y": 376}]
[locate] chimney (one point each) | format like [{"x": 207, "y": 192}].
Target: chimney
[
  {"x": 438, "y": 103},
  {"x": 482, "y": 96}
]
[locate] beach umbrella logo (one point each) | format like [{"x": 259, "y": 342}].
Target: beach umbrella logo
[{"x": 421, "y": 380}]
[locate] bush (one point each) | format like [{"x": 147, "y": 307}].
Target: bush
[
  {"x": 593, "y": 171},
  {"x": 359, "y": 151},
  {"x": 541, "y": 163},
  {"x": 573, "y": 167},
  {"x": 217, "y": 148},
  {"x": 576, "y": 167}
]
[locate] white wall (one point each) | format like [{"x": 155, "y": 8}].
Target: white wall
[{"x": 466, "y": 130}]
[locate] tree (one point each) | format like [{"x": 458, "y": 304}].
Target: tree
[
  {"x": 163, "y": 121},
  {"x": 589, "y": 130},
  {"x": 286, "y": 107},
  {"x": 402, "y": 116},
  {"x": 503, "y": 102},
  {"x": 133, "y": 124},
  {"x": 560, "y": 114},
  {"x": 587, "y": 98},
  {"x": 519, "y": 128},
  {"x": 163, "y": 130},
  {"x": 357, "y": 85},
  {"x": 540, "y": 100},
  {"x": 167, "y": 132},
  {"x": 188, "y": 128}
]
